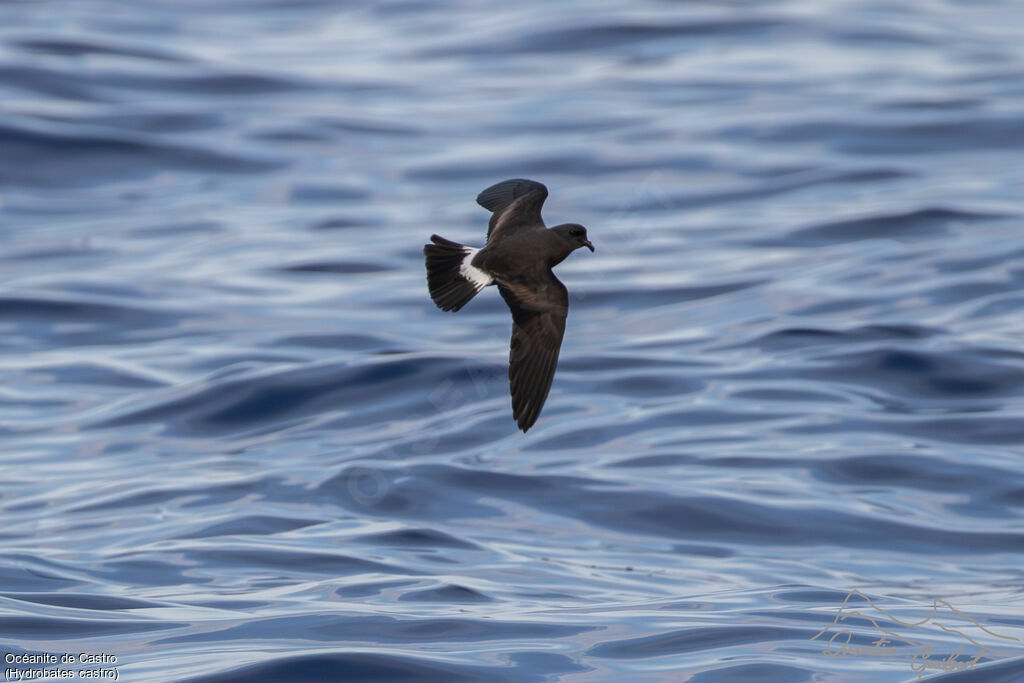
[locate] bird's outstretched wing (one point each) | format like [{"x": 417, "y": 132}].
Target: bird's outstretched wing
[
  {"x": 538, "y": 325},
  {"x": 513, "y": 204}
]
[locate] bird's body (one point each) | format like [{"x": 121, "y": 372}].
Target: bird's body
[{"x": 518, "y": 257}]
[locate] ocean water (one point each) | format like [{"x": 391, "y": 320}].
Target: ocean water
[{"x": 239, "y": 442}]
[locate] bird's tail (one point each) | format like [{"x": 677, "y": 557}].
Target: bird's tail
[{"x": 451, "y": 277}]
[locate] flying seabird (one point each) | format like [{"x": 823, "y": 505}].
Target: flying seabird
[{"x": 518, "y": 257}]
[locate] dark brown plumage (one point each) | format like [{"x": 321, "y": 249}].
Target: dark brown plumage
[{"x": 518, "y": 257}]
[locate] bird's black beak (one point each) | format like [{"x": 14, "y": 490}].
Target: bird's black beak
[{"x": 588, "y": 245}]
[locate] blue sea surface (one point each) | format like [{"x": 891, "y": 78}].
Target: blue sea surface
[{"x": 240, "y": 443}]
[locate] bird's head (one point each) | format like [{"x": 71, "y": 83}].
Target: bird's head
[{"x": 575, "y": 234}]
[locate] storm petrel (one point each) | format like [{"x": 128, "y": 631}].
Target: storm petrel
[{"x": 518, "y": 257}]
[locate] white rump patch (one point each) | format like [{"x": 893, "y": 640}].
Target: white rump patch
[{"x": 479, "y": 278}]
